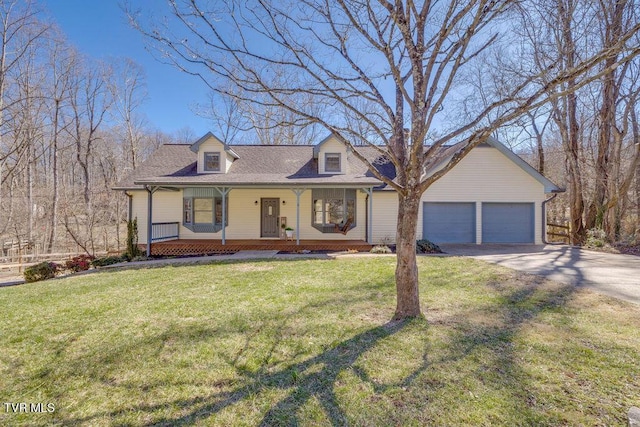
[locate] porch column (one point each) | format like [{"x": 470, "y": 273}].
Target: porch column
[
  {"x": 369, "y": 192},
  {"x": 224, "y": 191},
  {"x": 298, "y": 192},
  {"x": 150, "y": 190}
]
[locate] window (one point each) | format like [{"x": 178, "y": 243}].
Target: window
[
  {"x": 204, "y": 214},
  {"x": 188, "y": 210},
  {"x": 333, "y": 206},
  {"x": 212, "y": 162},
  {"x": 203, "y": 211},
  {"x": 332, "y": 162}
]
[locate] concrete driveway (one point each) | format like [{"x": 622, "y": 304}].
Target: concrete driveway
[{"x": 611, "y": 274}]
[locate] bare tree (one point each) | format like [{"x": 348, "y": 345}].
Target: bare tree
[
  {"x": 562, "y": 32},
  {"x": 90, "y": 100},
  {"x": 61, "y": 61},
  {"x": 26, "y": 107},
  {"x": 226, "y": 115},
  {"x": 236, "y": 119},
  {"x": 19, "y": 31},
  {"x": 553, "y": 41},
  {"x": 406, "y": 59},
  {"x": 538, "y": 125},
  {"x": 128, "y": 89},
  {"x": 615, "y": 19}
]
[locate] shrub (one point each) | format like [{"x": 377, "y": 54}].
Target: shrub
[
  {"x": 43, "y": 271},
  {"x": 380, "y": 249},
  {"x": 79, "y": 263},
  {"x": 132, "y": 239},
  {"x": 596, "y": 238},
  {"x": 108, "y": 260},
  {"x": 426, "y": 247}
]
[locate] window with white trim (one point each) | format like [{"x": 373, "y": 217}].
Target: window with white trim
[{"x": 332, "y": 162}]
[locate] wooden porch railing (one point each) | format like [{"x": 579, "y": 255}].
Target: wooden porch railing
[{"x": 164, "y": 231}]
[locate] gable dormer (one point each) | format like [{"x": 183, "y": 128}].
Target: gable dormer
[
  {"x": 332, "y": 156},
  {"x": 214, "y": 156}
]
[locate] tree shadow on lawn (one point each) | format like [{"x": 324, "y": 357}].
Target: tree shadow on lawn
[
  {"x": 304, "y": 386},
  {"x": 316, "y": 377},
  {"x": 493, "y": 345},
  {"x": 102, "y": 363},
  {"x": 500, "y": 372}
]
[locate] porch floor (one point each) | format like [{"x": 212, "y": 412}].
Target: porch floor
[{"x": 206, "y": 246}]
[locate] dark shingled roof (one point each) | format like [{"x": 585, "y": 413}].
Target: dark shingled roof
[
  {"x": 175, "y": 164},
  {"x": 168, "y": 158},
  {"x": 272, "y": 165}
]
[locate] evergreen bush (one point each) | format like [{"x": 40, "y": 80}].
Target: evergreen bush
[{"x": 43, "y": 271}]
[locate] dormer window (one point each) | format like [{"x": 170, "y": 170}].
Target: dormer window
[
  {"x": 212, "y": 162},
  {"x": 332, "y": 162}
]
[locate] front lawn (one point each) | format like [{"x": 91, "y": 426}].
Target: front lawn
[{"x": 309, "y": 343}]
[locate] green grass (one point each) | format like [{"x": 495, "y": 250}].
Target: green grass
[{"x": 309, "y": 343}]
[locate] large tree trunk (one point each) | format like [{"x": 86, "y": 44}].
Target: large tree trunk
[
  {"x": 408, "y": 298},
  {"x": 569, "y": 130},
  {"x": 30, "y": 176},
  {"x": 54, "y": 197},
  {"x": 607, "y": 120}
]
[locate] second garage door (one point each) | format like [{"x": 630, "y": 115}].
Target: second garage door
[
  {"x": 508, "y": 223},
  {"x": 449, "y": 222}
]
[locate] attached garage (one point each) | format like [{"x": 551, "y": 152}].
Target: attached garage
[
  {"x": 445, "y": 222},
  {"x": 508, "y": 222}
]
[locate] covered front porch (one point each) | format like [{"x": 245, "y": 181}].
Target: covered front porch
[
  {"x": 207, "y": 219},
  {"x": 182, "y": 247}
]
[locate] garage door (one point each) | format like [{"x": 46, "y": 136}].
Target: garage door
[
  {"x": 449, "y": 222},
  {"x": 507, "y": 222}
]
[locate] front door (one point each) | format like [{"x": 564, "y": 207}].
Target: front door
[{"x": 269, "y": 213}]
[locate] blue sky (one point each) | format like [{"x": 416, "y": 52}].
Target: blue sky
[{"x": 98, "y": 28}]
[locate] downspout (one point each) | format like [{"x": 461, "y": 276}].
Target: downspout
[
  {"x": 130, "y": 206},
  {"x": 544, "y": 218}
]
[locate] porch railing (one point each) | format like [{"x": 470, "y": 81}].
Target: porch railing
[{"x": 163, "y": 231}]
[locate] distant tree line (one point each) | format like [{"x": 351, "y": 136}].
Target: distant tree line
[
  {"x": 70, "y": 127},
  {"x": 588, "y": 139},
  {"x": 563, "y": 74}
]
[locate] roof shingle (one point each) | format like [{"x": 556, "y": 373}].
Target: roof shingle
[{"x": 175, "y": 164}]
